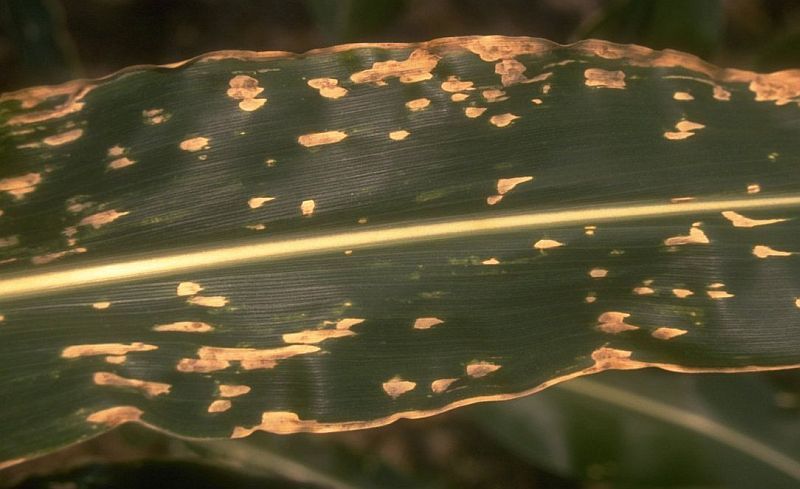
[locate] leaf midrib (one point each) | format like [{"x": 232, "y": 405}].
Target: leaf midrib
[{"x": 26, "y": 284}]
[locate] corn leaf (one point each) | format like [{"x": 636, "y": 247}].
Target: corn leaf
[{"x": 336, "y": 240}]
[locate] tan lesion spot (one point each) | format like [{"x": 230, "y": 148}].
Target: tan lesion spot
[
  {"x": 643, "y": 290},
  {"x": 63, "y": 138},
  {"x": 537, "y": 101},
  {"x": 101, "y": 305},
  {"x": 313, "y": 336},
  {"x": 87, "y": 350},
  {"x": 9, "y": 241},
  {"x": 153, "y": 117},
  {"x": 328, "y": 87},
  {"x": 188, "y": 288},
  {"x": 695, "y": 236},
  {"x": 208, "y": 301},
  {"x": 416, "y": 68},
  {"x": 473, "y": 112},
  {"x": 598, "y": 273},
  {"x": 100, "y": 219},
  {"x": 503, "y": 120},
  {"x": 613, "y": 322},
  {"x": 667, "y": 333},
  {"x": 596, "y": 77},
  {"x": 418, "y": 104},
  {"x": 18, "y": 187},
  {"x": 480, "y": 369},
  {"x": 219, "y": 406},
  {"x": 245, "y": 89},
  {"x": 762, "y": 251},
  {"x": 717, "y": 291},
  {"x": 797, "y": 302},
  {"x": 490, "y": 261},
  {"x": 57, "y": 255},
  {"x": 546, "y": 244},
  {"x": 195, "y": 144},
  {"x": 753, "y": 188},
  {"x": 505, "y": 185},
  {"x": 212, "y": 358},
  {"x": 116, "y": 359},
  {"x": 684, "y": 130},
  {"x": 115, "y": 415},
  {"x": 184, "y": 327},
  {"x": 307, "y": 207},
  {"x": 230, "y": 390},
  {"x": 396, "y": 387},
  {"x": 427, "y": 322},
  {"x": 256, "y": 227},
  {"x": 453, "y": 84},
  {"x": 510, "y": 71},
  {"x": 682, "y": 293},
  {"x": 741, "y": 221},
  {"x": 321, "y": 138},
  {"x": 589, "y": 230},
  {"x": 256, "y": 202},
  {"x": 459, "y": 97},
  {"x": 682, "y": 96},
  {"x": 150, "y": 389},
  {"x": 441, "y": 385},
  {"x": 398, "y": 135},
  {"x": 494, "y": 95},
  {"x": 120, "y": 163}
]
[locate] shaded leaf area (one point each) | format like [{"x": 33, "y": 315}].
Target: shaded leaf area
[
  {"x": 300, "y": 242},
  {"x": 651, "y": 428},
  {"x": 147, "y": 474}
]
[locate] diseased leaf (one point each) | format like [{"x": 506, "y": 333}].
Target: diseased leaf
[{"x": 335, "y": 240}]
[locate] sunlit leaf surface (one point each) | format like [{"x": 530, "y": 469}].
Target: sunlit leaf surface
[{"x": 335, "y": 240}]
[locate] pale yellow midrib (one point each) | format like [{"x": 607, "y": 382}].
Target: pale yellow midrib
[{"x": 39, "y": 283}]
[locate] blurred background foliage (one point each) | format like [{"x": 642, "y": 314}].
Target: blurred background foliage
[{"x": 630, "y": 429}]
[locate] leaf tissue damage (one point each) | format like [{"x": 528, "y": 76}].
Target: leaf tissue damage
[{"x": 340, "y": 239}]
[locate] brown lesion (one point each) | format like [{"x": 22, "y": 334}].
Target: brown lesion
[
  {"x": 599, "y": 78},
  {"x": 184, "y": 327},
  {"x": 321, "y": 138},
  {"x": 93, "y": 349},
  {"x": 20, "y": 186},
  {"x": 245, "y": 89},
  {"x": 416, "y": 68},
  {"x": 613, "y": 322},
  {"x": 396, "y": 387},
  {"x": 212, "y": 358},
  {"x": 667, "y": 333},
  {"x": 195, "y": 144},
  {"x": 741, "y": 221},
  {"x": 116, "y": 415},
  {"x": 150, "y": 389},
  {"x": 478, "y": 369},
  {"x": 763, "y": 251},
  {"x": 63, "y": 138},
  {"x": 695, "y": 236},
  {"x": 327, "y": 87},
  {"x": 219, "y": 406}
]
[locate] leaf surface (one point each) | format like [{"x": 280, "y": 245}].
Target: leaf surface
[{"x": 335, "y": 240}]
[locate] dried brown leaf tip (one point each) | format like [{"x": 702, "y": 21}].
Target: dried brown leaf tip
[
  {"x": 245, "y": 89},
  {"x": 595, "y": 77},
  {"x": 396, "y": 387},
  {"x": 328, "y": 87}
]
